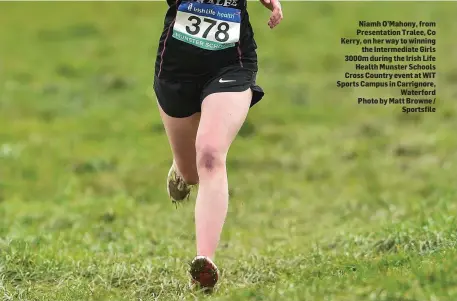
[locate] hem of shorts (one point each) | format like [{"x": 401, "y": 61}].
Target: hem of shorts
[
  {"x": 256, "y": 94},
  {"x": 174, "y": 115}
]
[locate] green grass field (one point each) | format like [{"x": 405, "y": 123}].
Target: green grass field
[{"x": 330, "y": 200}]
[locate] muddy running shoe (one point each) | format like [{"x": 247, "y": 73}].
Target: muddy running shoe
[
  {"x": 204, "y": 274},
  {"x": 177, "y": 189}
]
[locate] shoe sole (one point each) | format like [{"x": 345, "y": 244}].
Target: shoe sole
[
  {"x": 184, "y": 194},
  {"x": 204, "y": 273}
]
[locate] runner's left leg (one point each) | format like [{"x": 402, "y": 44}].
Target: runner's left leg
[{"x": 222, "y": 117}]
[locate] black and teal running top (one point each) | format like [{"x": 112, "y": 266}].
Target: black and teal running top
[{"x": 203, "y": 36}]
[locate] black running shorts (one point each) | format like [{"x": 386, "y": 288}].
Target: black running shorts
[{"x": 184, "y": 98}]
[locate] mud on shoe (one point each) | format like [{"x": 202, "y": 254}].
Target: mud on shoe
[
  {"x": 177, "y": 189},
  {"x": 204, "y": 274}
]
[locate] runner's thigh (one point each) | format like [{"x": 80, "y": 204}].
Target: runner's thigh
[
  {"x": 179, "y": 109},
  {"x": 222, "y": 116}
]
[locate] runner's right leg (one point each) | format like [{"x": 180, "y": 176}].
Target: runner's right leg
[{"x": 181, "y": 133}]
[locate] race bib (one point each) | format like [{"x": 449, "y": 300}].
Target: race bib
[{"x": 207, "y": 26}]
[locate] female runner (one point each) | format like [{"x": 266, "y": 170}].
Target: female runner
[{"x": 204, "y": 81}]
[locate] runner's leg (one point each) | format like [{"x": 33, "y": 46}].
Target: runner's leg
[
  {"x": 181, "y": 133},
  {"x": 222, "y": 116}
]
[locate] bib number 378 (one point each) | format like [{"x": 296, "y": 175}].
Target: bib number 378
[
  {"x": 207, "y": 26},
  {"x": 221, "y": 35}
]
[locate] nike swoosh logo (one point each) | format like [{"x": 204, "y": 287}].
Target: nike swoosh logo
[{"x": 226, "y": 81}]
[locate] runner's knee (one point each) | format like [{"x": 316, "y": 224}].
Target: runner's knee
[{"x": 209, "y": 157}]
